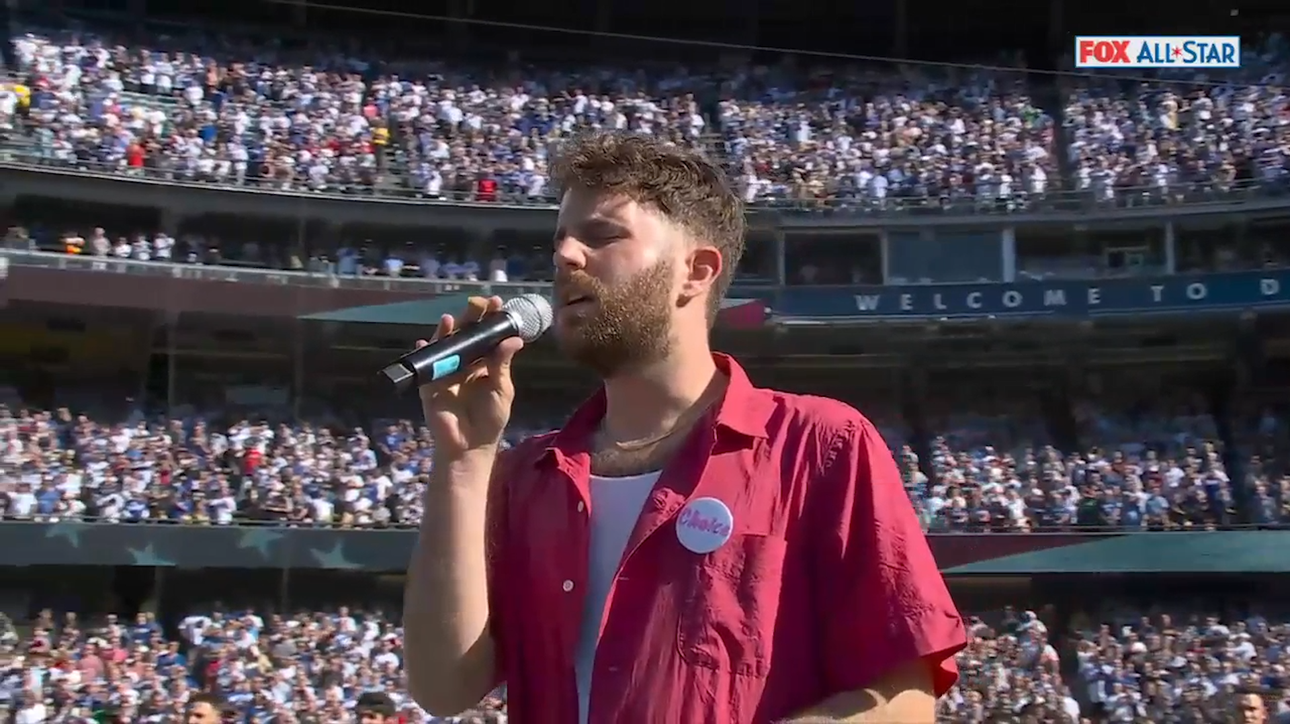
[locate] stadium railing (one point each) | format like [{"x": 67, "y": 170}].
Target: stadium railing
[{"x": 241, "y": 272}]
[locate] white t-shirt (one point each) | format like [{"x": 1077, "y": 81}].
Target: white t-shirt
[
  {"x": 616, "y": 503},
  {"x": 22, "y": 504},
  {"x": 430, "y": 267},
  {"x": 163, "y": 247},
  {"x": 497, "y": 271},
  {"x": 33, "y": 714}
]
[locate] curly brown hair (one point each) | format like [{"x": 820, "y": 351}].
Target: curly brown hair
[{"x": 682, "y": 184}]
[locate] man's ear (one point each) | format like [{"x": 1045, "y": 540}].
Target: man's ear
[{"x": 702, "y": 269}]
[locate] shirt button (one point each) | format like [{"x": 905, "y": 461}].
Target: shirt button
[
  {"x": 568, "y": 586},
  {"x": 581, "y": 506}
]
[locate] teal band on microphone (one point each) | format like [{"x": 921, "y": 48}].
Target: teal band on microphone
[{"x": 444, "y": 367}]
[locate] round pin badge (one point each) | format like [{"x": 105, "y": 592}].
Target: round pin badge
[{"x": 705, "y": 524}]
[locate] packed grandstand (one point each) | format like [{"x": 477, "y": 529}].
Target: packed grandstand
[
  {"x": 191, "y": 107},
  {"x": 204, "y": 109}
]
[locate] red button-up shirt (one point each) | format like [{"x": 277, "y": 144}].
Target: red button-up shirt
[{"x": 826, "y": 584}]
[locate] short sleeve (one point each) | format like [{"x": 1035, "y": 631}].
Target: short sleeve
[
  {"x": 497, "y": 550},
  {"x": 884, "y": 602}
]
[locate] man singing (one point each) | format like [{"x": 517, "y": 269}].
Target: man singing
[{"x": 689, "y": 548}]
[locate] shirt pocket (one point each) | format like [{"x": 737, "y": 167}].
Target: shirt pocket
[{"x": 730, "y": 603}]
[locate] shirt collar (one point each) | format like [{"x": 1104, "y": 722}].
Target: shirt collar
[{"x": 744, "y": 410}]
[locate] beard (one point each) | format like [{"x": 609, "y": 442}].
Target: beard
[{"x": 627, "y": 325}]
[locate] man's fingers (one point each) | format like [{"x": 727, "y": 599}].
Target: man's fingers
[
  {"x": 445, "y": 327},
  {"x": 476, "y": 308},
  {"x": 499, "y": 362}
]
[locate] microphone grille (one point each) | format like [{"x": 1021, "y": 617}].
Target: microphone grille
[{"x": 534, "y": 313}]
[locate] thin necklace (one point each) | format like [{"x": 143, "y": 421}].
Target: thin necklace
[
  {"x": 644, "y": 442},
  {"x": 681, "y": 423}
]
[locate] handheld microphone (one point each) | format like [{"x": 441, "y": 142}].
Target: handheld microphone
[{"x": 526, "y": 317}]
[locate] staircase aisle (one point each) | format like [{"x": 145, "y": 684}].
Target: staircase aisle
[{"x": 1049, "y": 93}]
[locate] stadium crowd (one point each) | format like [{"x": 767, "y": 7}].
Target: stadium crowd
[
  {"x": 200, "y": 107},
  {"x": 1162, "y": 470},
  {"x": 1149, "y": 472},
  {"x": 1209, "y": 135},
  {"x": 1123, "y": 665},
  {"x": 60, "y": 466},
  {"x": 308, "y": 668},
  {"x": 1116, "y": 665}
]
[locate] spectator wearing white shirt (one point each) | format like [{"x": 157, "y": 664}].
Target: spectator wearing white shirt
[
  {"x": 33, "y": 709},
  {"x": 452, "y": 270},
  {"x": 430, "y": 267},
  {"x": 99, "y": 244},
  {"x": 469, "y": 270},
  {"x": 22, "y": 501},
  {"x": 162, "y": 247},
  {"x": 497, "y": 267},
  {"x": 142, "y": 248}
]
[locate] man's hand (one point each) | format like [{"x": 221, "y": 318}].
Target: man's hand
[{"x": 471, "y": 412}]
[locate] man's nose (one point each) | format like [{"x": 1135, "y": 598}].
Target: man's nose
[{"x": 569, "y": 254}]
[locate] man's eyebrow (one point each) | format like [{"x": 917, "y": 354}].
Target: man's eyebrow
[{"x": 593, "y": 224}]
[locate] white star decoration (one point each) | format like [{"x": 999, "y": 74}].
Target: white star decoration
[
  {"x": 335, "y": 558},
  {"x": 258, "y": 538},
  {"x": 68, "y": 531},
  {"x": 148, "y": 557}
]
